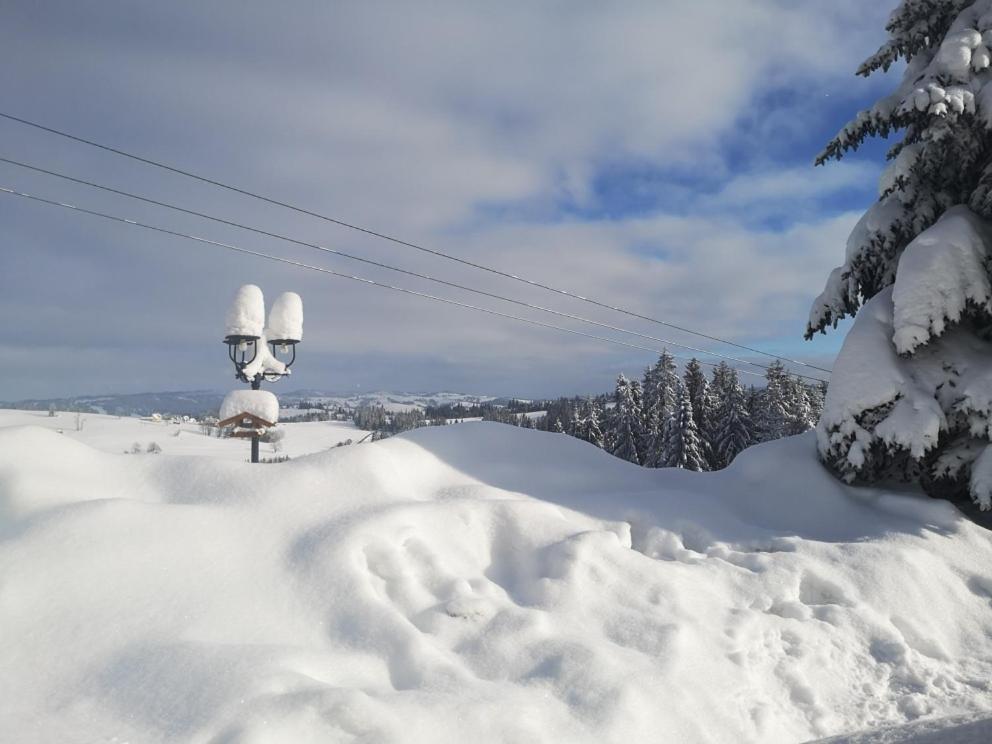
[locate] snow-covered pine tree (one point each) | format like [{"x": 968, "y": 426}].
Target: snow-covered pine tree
[
  {"x": 654, "y": 456},
  {"x": 710, "y": 427},
  {"x": 696, "y": 384},
  {"x": 625, "y": 422},
  {"x": 651, "y": 409},
  {"x": 798, "y": 406},
  {"x": 664, "y": 378},
  {"x": 911, "y": 391},
  {"x": 817, "y": 396},
  {"x": 723, "y": 377},
  {"x": 732, "y": 421},
  {"x": 698, "y": 389},
  {"x": 571, "y": 419},
  {"x": 771, "y": 416},
  {"x": 682, "y": 447},
  {"x": 643, "y": 434},
  {"x": 592, "y": 432}
]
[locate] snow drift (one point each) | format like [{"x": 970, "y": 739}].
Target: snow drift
[{"x": 476, "y": 583}]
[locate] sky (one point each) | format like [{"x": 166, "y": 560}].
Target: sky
[{"x": 654, "y": 155}]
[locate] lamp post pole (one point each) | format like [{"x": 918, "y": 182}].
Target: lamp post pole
[{"x": 256, "y": 384}]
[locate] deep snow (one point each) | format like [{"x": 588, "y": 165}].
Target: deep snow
[
  {"x": 116, "y": 434},
  {"x": 478, "y": 583}
]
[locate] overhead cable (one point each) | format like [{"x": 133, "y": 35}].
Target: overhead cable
[
  {"x": 399, "y": 241},
  {"x": 342, "y": 275},
  {"x": 379, "y": 264}
]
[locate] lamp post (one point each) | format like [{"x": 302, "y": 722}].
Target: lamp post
[{"x": 255, "y": 356}]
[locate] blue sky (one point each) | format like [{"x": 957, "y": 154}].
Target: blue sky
[{"x": 656, "y": 155}]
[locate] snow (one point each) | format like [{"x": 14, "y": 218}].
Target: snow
[
  {"x": 479, "y": 583},
  {"x": 981, "y": 477},
  {"x": 868, "y": 374},
  {"x": 246, "y": 316},
  {"x": 286, "y": 318},
  {"x": 264, "y": 362},
  {"x": 910, "y": 372},
  {"x": 940, "y": 273},
  {"x": 259, "y": 403},
  {"x": 974, "y": 729},
  {"x": 954, "y": 56},
  {"x": 115, "y": 435},
  {"x": 901, "y": 166}
]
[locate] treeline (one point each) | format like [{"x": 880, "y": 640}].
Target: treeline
[
  {"x": 385, "y": 423},
  {"x": 665, "y": 419},
  {"x": 487, "y": 411},
  {"x": 687, "y": 421},
  {"x": 378, "y": 419},
  {"x": 319, "y": 411}
]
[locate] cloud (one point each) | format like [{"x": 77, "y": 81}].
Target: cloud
[{"x": 462, "y": 126}]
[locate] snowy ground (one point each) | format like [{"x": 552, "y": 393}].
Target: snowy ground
[
  {"x": 118, "y": 434},
  {"x": 478, "y": 583}
]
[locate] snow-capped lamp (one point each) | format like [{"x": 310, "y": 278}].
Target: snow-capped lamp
[
  {"x": 253, "y": 348},
  {"x": 285, "y": 328},
  {"x": 246, "y": 333},
  {"x": 245, "y": 320}
]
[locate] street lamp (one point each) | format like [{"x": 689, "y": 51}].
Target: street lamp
[
  {"x": 238, "y": 346},
  {"x": 253, "y": 350}
]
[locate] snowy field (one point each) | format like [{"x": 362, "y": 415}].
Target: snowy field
[
  {"x": 119, "y": 434},
  {"x": 478, "y": 583}
]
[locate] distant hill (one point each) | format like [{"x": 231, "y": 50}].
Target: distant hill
[{"x": 204, "y": 402}]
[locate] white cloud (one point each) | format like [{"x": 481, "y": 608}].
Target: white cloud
[{"x": 410, "y": 117}]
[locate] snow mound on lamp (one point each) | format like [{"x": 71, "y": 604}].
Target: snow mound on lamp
[
  {"x": 259, "y": 403},
  {"x": 286, "y": 319},
  {"x": 246, "y": 316}
]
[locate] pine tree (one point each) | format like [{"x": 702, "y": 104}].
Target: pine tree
[
  {"x": 642, "y": 433},
  {"x": 771, "y": 417},
  {"x": 626, "y": 422},
  {"x": 798, "y": 406},
  {"x": 682, "y": 447},
  {"x": 659, "y": 401},
  {"x": 695, "y": 383},
  {"x": 659, "y": 387},
  {"x": 699, "y": 395},
  {"x": 907, "y": 387},
  {"x": 724, "y": 379},
  {"x": 733, "y": 434},
  {"x": 591, "y": 430}
]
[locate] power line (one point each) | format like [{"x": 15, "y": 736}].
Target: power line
[
  {"x": 398, "y": 241},
  {"x": 371, "y": 262},
  {"x": 362, "y": 280}
]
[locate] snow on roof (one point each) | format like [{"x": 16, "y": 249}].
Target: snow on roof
[
  {"x": 286, "y": 318},
  {"x": 259, "y": 403},
  {"x": 246, "y": 316}
]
